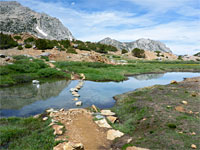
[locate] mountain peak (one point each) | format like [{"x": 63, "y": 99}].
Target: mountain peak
[
  {"x": 142, "y": 43},
  {"x": 15, "y": 18}
]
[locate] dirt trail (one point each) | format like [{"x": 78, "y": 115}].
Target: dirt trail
[{"x": 80, "y": 128}]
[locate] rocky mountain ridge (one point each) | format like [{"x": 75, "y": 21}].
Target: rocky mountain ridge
[
  {"x": 146, "y": 44},
  {"x": 15, "y": 18}
]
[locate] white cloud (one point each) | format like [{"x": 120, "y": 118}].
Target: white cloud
[{"x": 73, "y": 3}]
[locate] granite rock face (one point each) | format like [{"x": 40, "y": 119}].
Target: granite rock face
[
  {"x": 145, "y": 44},
  {"x": 15, "y": 18}
]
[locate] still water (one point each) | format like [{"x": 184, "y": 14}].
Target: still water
[{"x": 27, "y": 99}]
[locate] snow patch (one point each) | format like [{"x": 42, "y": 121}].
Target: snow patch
[{"x": 42, "y": 32}]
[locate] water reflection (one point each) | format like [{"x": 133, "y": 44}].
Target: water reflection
[
  {"x": 18, "y": 96},
  {"x": 26, "y": 100},
  {"x": 148, "y": 76}
]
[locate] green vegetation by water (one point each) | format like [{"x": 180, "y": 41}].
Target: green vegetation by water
[
  {"x": 149, "y": 116},
  {"x": 106, "y": 72},
  {"x": 26, "y": 133},
  {"x": 25, "y": 70}
]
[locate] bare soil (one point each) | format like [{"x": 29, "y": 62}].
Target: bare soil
[{"x": 80, "y": 128}]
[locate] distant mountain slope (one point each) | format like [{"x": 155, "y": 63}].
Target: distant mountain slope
[
  {"x": 15, "y": 18},
  {"x": 145, "y": 44}
]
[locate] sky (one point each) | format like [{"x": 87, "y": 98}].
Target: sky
[{"x": 173, "y": 22}]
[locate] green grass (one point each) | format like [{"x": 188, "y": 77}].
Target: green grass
[
  {"x": 26, "y": 133},
  {"x": 105, "y": 72}
]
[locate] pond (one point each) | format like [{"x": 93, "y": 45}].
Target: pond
[{"x": 27, "y": 99}]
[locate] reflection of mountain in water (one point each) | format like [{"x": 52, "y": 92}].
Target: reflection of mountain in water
[
  {"x": 148, "y": 76},
  {"x": 18, "y": 96}
]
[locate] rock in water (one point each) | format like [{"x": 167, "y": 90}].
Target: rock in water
[
  {"x": 78, "y": 103},
  {"x": 15, "y": 18},
  {"x": 35, "y": 82}
]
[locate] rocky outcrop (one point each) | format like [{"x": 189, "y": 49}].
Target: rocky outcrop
[
  {"x": 145, "y": 44},
  {"x": 15, "y": 18}
]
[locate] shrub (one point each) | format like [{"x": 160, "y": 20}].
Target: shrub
[
  {"x": 83, "y": 47},
  {"x": 50, "y": 72},
  {"x": 180, "y": 57},
  {"x": 41, "y": 44},
  {"x": 20, "y": 47},
  {"x": 158, "y": 53},
  {"x": 172, "y": 126},
  {"x": 29, "y": 40},
  {"x": 197, "y": 54},
  {"x": 65, "y": 43},
  {"x": 124, "y": 51},
  {"x": 6, "y": 41},
  {"x": 28, "y": 46},
  {"x": 44, "y": 44},
  {"x": 17, "y": 37},
  {"x": 138, "y": 53},
  {"x": 71, "y": 50}
]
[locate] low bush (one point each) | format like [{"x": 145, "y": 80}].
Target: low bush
[
  {"x": 20, "y": 47},
  {"x": 17, "y": 37},
  {"x": 71, "y": 50},
  {"x": 138, "y": 53},
  {"x": 180, "y": 57},
  {"x": 7, "y": 41},
  {"x": 29, "y": 40},
  {"x": 124, "y": 51},
  {"x": 28, "y": 46}
]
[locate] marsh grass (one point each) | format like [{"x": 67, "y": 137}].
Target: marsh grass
[
  {"x": 26, "y": 69},
  {"x": 26, "y": 133},
  {"x": 96, "y": 71}
]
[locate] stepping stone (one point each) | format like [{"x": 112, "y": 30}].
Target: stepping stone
[
  {"x": 107, "y": 113},
  {"x": 57, "y": 129},
  {"x": 135, "y": 148},
  {"x": 113, "y": 134},
  {"x": 112, "y": 119},
  {"x": 75, "y": 99},
  {"x": 78, "y": 103},
  {"x": 103, "y": 123}
]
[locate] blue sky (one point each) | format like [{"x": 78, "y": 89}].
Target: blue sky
[{"x": 174, "y": 22}]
